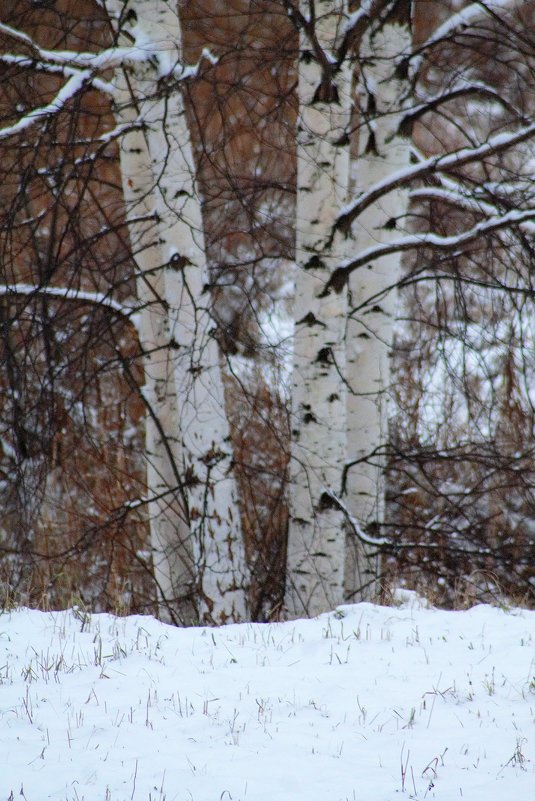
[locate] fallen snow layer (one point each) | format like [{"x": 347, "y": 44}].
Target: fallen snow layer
[{"x": 365, "y": 704}]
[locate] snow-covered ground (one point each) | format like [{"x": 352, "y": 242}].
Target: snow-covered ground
[{"x": 365, "y": 704}]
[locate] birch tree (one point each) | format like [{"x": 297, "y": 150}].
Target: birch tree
[
  {"x": 213, "y": 515},
  {"x": 395, "y": 96},
  {"x": 198, "y": 551},
  {"x": 316, "y": 545},
  {"x": 383, "y": 148}
]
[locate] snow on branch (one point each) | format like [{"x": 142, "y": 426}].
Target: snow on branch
[
  {"x": 450, "y": 244},
  {"x": 430, "y": 166},
  {"x": 385, "y": 543},
  {"x": 108, "y": 58},
  {"x": 462, "y": 21},
  {"x": 352, "y": 31},
  {"x": 470, "y": 89},
  {"x": 359, "y": 532},
  {"x": 455, "y": 197},
  {"x": 14, "y": 33},
  {"x": 66, "y": 71},
  {"x": 435, "y": 277},
  {"x": 67, "y": 91},
  {"x": 83, "y": 66},
  {"x": 125, "y": 310}
]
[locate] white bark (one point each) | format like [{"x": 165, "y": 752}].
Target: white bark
[
  {"x": 212, "y": 506},
  {"x": 316, "y": 546},
  {"x": 382, "y": 153},
  {"x": 172, "y": 549}
]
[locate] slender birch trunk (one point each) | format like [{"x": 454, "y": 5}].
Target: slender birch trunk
[
  {"x": 212, "y": 511},
  {"x": 171, "y": 543},
  {"x": 316, "y": 545},
  {"x": 383, "y": 150}
]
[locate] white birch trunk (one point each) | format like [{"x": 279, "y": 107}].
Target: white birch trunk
[
  {"x": 316, "y": 544},
  {"x": 172, "y": 549},
  {"x": 213, "y": 513},
  {"x": 382, "y": 151}
]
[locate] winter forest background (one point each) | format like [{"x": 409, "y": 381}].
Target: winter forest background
[{"x": 266, "y": 304}]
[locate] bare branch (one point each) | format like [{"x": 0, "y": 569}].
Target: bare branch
[
  {"x": 441, "y": 163},
  {"x": 454, "y": 244}
]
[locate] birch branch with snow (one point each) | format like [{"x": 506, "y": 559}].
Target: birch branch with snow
[
  {"x": 82, "y": 69},
  {"x": 73, "y": 86},
  {"x": 126, "y": 310},
  {"x": 441, "y": 163},
  {"x": 464, "y": 22},
  {"x": 475, "y": 205},
  {"x": 384, "y": 543},
  {"x": 468, "y": 89},
  {"x": 454, "y": 244}
]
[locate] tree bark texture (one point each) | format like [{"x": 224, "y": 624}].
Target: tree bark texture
[
  {"x": 383, "y": 87},
  {"x": 316, "y": 546},
  {"x": 189, "y": 385}
]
